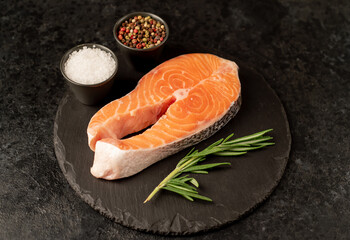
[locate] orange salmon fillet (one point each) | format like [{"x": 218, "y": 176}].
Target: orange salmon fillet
[{"x": 187, "y": 99}]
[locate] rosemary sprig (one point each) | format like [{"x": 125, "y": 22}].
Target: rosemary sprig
[{"x": 189, "y": 164}]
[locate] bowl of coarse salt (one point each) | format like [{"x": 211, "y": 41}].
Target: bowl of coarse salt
[{"x": 89, "y": 70}]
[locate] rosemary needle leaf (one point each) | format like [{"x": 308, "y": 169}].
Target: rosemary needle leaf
[
  {"x": 182, "y": 184},
  {"x": 190, "y": 152},
  {"x": 249, "y": 141},
  {"x": 202, "y": 197},
  {"x": 183, "y": 178},
  {"x": 244, "y": 149},
  {"x": 194, "y": 182},
  {"x": 187, "y": 197},
  {"x": 181, "y": 192},
  {"x": 228, "y": 137},
  {"x": 199, "y": 172},
  {"x": 265, "y": 144},
  {"x": 204, "y": 166},
  {"x": 184, "y": 188},
  {"x": 255, "y": 135},
  {"x": 215, "y": 144},
  {"x": 227, "y": 153}
]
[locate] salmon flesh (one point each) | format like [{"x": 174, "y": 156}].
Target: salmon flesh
[{"x": 185, "y": 100}]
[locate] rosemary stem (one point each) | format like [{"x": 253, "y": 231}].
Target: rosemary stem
[{"x": 166, "y": 180}]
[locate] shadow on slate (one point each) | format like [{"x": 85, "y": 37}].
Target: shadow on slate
[{"x": 236, "y": 190}]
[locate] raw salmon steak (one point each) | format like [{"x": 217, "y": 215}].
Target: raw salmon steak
[{"x": 185, "y": 100}]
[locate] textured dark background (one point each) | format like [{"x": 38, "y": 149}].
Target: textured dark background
[{"x": 301, "y": 47}]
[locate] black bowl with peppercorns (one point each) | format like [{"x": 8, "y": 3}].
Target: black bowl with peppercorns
[{"x": 141, "y": 37}]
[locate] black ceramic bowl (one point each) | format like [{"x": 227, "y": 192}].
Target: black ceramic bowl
[
  {"x": 89, "y": 94},
  {"x": 141, "y": 58}
]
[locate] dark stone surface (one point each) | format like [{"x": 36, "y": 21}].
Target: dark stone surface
[{"x": 301, "y": 47}]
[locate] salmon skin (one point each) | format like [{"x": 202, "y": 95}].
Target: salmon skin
[{"x": 187, "y": 99}]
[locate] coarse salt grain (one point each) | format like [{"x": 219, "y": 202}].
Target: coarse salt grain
[{"x": 89, "y": 65}]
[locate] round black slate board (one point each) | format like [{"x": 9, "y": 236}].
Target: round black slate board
[{"x": 236, "y": 189}]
